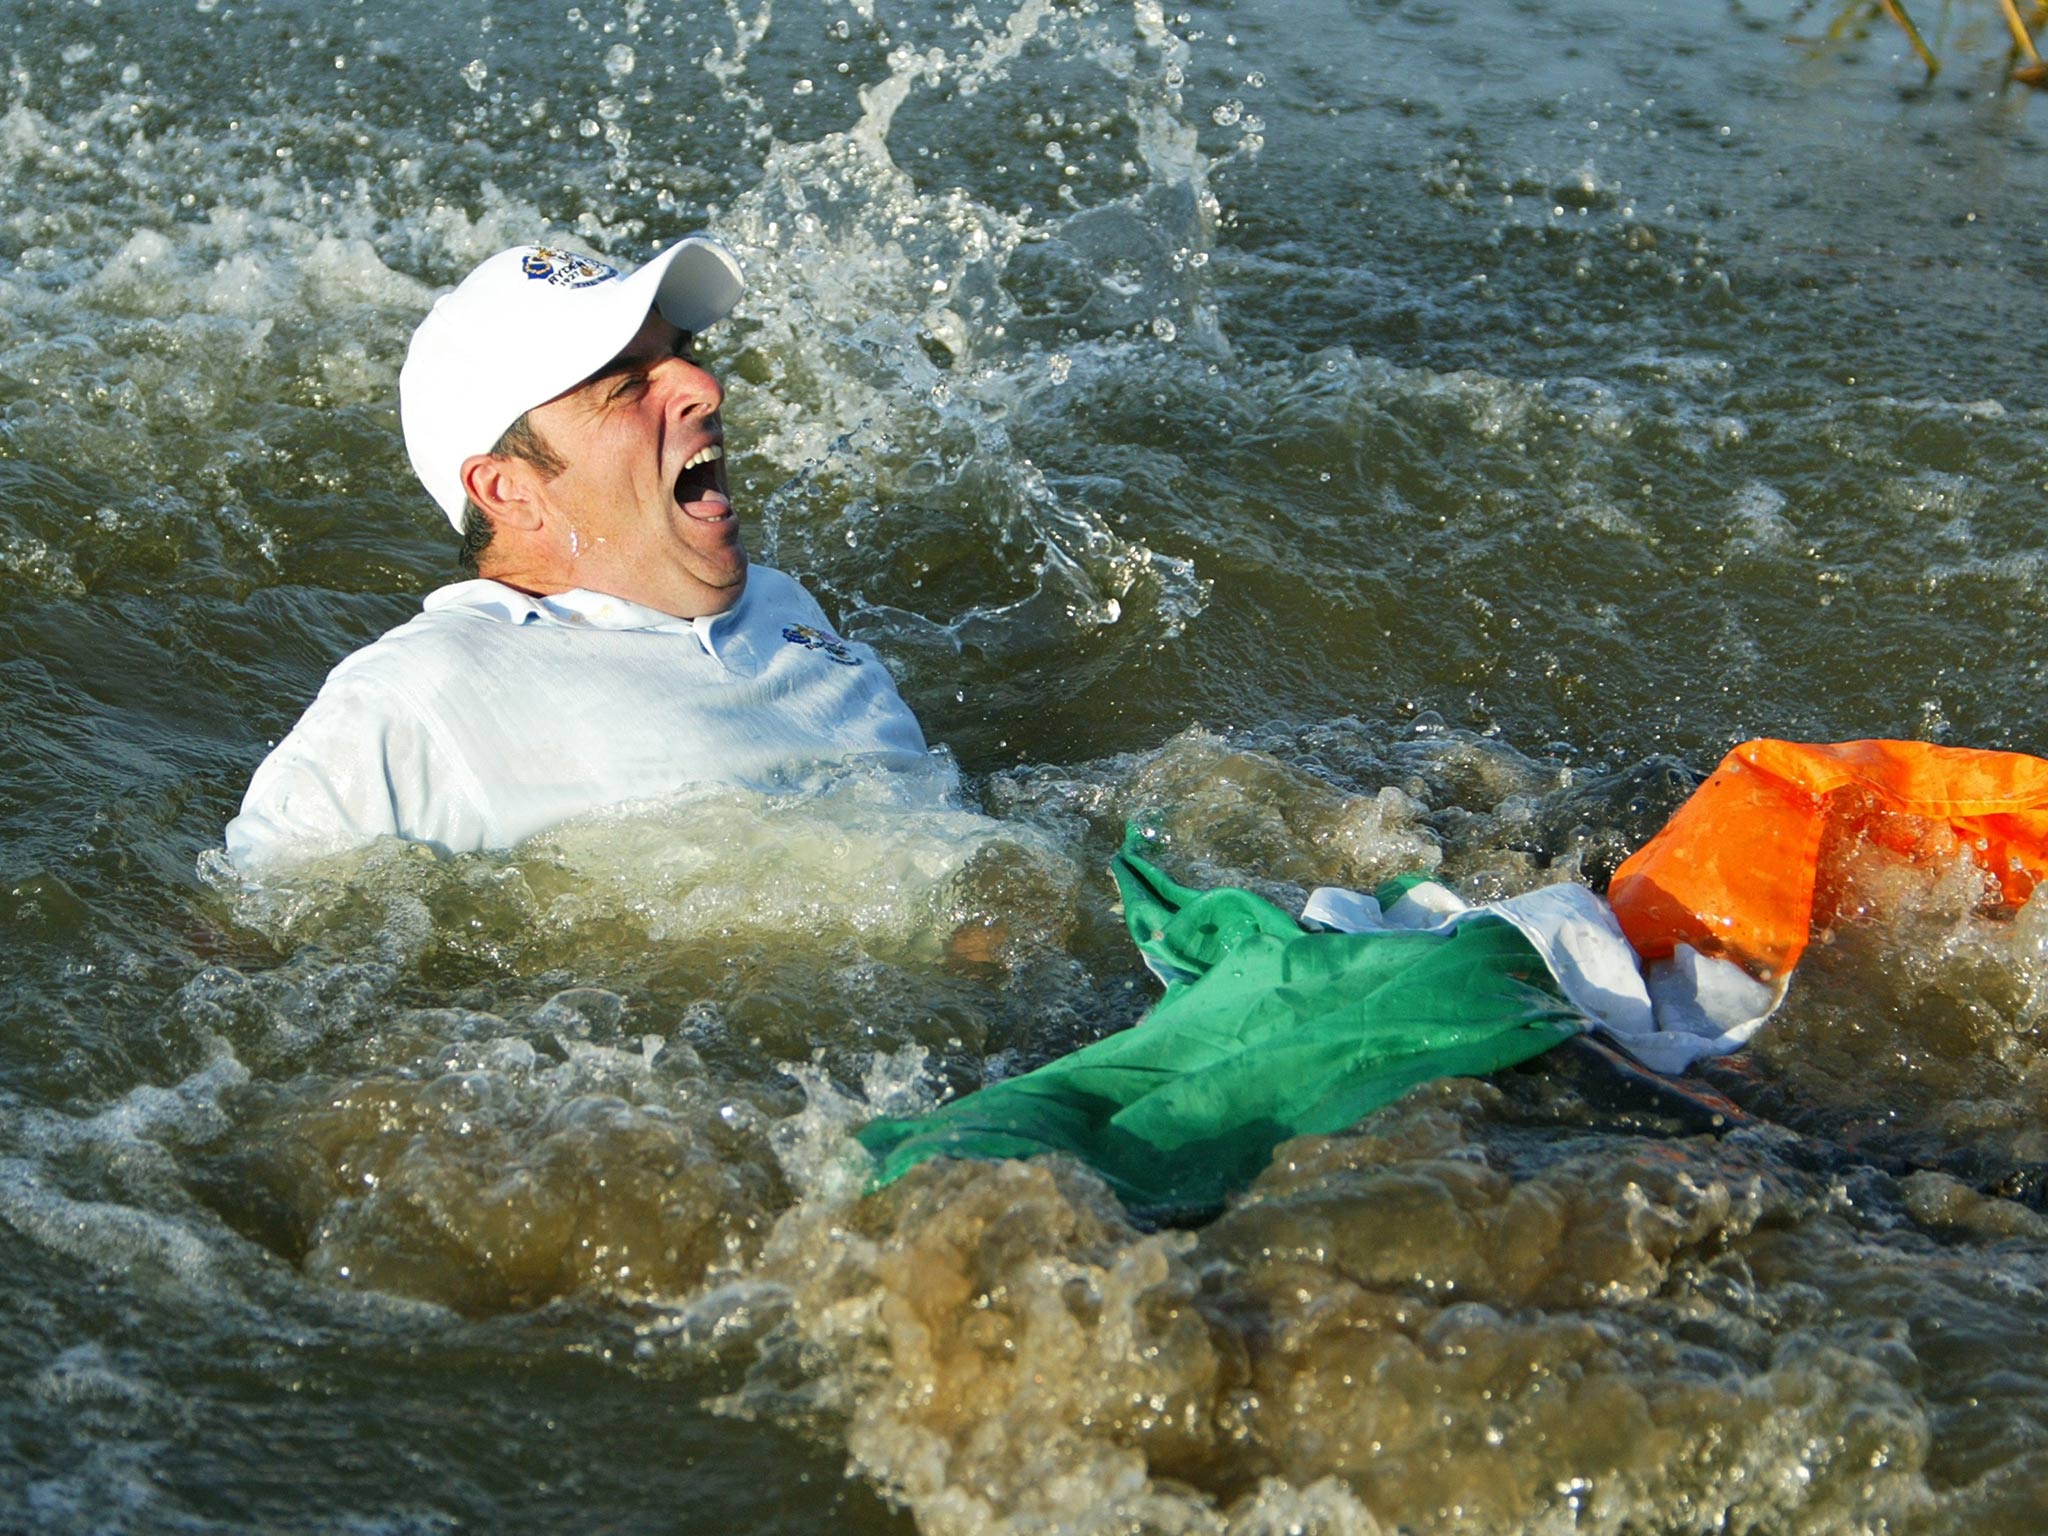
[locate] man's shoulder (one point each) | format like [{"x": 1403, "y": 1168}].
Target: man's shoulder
[
  {"x": 455, "y": 623},
  {"x": 776, "y": 600},
  {"x": 777, "y": 589}
]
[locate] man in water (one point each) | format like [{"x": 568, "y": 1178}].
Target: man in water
[{"x": 615, "y": 646}]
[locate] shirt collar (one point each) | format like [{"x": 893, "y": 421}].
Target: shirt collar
[{"x": 577, "y": 607}]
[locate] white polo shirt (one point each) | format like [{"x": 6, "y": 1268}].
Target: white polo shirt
[{"x": 494, "y": 715}]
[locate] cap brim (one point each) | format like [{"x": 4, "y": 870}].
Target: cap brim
[
  {"x": 694, "y": 283},
  {"x": 699, "y": 285}
]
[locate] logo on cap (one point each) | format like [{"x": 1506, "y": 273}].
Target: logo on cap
[{"x": 565, "y": 269}]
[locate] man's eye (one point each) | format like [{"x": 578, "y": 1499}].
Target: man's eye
[{"x": 628, "y": 387}]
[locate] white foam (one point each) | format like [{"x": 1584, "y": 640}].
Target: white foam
[{"x": 141, "y": 1246}]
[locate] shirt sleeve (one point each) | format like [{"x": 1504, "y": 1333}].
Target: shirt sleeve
[{"x": 361, "y": 764}]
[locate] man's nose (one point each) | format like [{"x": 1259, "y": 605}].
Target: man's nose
[{"x": 691, "y": 389}]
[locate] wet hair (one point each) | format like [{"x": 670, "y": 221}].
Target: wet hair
[{"x": 518, "y": 441}]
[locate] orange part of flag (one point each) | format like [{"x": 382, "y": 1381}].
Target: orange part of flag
[{"x": 1734, "y": 872}]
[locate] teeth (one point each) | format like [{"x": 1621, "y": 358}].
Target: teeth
[{"x": 710, "y": 453}]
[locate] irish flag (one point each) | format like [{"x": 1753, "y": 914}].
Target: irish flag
[{"x": 1274, "y": 1026}]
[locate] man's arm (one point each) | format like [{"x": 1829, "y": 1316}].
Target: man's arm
[{"x": 361, "y": 764}]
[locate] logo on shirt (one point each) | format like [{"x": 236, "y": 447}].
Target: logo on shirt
[
  {"x": 818, "y": 640},
  {"x": 565, "y": 269}
]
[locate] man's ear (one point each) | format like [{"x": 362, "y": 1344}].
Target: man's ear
[{"x": 503, "y": 489}]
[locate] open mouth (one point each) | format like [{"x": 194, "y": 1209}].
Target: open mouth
[{"x": 700, "y": 487}]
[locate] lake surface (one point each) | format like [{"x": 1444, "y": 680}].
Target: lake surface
[{"x": 1349, "y": 437}]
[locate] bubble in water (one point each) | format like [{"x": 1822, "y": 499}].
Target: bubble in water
[
  {"x": 474, "y": 73},
  {"x": 618, "y": 61}
]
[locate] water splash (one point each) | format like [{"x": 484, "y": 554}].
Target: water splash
[{"x": 919, "y": 414}]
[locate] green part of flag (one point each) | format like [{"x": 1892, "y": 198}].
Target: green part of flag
[{"x": 1266, "y": 1031}]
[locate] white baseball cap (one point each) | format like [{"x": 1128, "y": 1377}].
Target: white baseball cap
[{"x": 527, "y": 324}]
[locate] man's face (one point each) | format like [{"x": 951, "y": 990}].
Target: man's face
[{"x": 642, "y": 503}]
